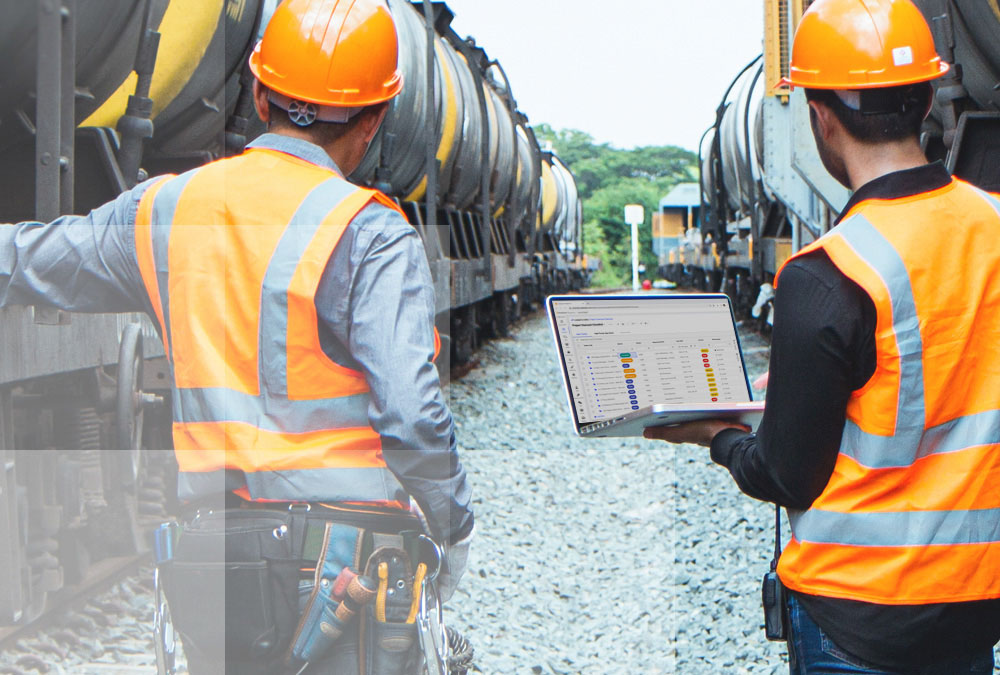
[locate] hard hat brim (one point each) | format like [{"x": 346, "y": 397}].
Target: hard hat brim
[
  {"x": 793, "y": 80},
  {"x": 390, "y": 91}
]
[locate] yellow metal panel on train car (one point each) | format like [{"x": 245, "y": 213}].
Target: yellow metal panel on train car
[
  {"x": 672, "y": 223},
  {"x": 782, "y": 252},
  {"x": 777, "y": 46},
  {"x": 186, "y": 30}
]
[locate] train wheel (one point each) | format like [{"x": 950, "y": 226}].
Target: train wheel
[
  {"x": 718, "y": 281},
  {"x": 463, "y": 334},
  {"x": 503, "y": 313},
  {"x": 129, "y": 409}
]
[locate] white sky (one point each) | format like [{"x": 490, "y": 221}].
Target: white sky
[{"x": 628, "y": 72}]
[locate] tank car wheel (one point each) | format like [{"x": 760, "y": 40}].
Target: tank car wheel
[
  {"x": 463, "y": 334},
  {"x": 129, "y": 409},
  {"x": 503, "y": 310}
]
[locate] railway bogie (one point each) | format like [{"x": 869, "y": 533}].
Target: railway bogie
[{"x": 98, "y": 96}]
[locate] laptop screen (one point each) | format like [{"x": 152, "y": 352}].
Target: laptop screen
[{"x": 622, "y": 353}]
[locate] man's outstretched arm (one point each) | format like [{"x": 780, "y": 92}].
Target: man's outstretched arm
[{"x": 76, "y": 263}]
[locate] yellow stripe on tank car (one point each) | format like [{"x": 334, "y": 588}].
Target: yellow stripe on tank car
[
  {"x": 550, "y": 194},
  {"x": 186, "y": 30},
  {"x": 450, "y": 125},
  {"x": 996, "y": 8}
]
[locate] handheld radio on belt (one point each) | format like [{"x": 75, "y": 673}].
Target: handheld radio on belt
[{"x": 773, "y": 592}]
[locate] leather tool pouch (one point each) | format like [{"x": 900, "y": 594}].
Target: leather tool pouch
[
  {"x": 321, "y": 627},
  {"x": 232, "y": 585},
  {"x": 390, "y": 643}
]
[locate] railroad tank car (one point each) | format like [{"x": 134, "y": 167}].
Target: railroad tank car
[
  {"x": 98, "y": 96},
  {"x": 765, "y": 193}
]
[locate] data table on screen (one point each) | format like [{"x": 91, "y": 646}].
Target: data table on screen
[{"x": 620, "y": 357}]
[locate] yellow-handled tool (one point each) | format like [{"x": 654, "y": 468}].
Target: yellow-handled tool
[
  {"x": 418, "y": 587},
  {"x": 383, "y": 589}
]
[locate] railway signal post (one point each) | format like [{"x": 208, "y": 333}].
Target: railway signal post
[{"x": 634, "y": 215}]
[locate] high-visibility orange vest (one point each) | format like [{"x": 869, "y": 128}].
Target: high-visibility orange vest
[
  {"x": 231, "y": 255},
  {"x": 911, "y": 514}
]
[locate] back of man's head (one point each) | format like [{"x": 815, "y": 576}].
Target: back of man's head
[
  {"x": 319, "y": 132},
  {"x": 880, "y": 115},
  {"x": 309, "y": 82}
]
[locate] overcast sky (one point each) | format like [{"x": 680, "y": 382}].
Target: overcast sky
[{"x": 629, "y": 72}]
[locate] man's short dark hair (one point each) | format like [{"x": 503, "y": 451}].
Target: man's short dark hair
[
  {"x": 323, "y": 133},
  {"x": 897, "y": 112}
]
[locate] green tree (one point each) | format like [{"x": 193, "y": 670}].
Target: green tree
[{"x": 608, "y": 178}]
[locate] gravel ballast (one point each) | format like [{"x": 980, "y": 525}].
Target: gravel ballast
[
  {"x": 601, "y": 556},
  {"x": 596, "y": 556}
]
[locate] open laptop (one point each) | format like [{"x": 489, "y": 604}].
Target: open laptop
[{"x": 631, "y": 362}]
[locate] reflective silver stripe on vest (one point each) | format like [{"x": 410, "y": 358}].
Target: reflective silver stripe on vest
[
  {"x": 346, "y": 485},
  {"x": 356, "y": 484},
  {"x": 880, "y": 255},
  {"x": 274, "y": 414},
  {"x": 162, "y": 220},
  {"x": 992, "y": 199},
  {"x": 273, "y": 353},
  {"x": 910, "y": 441},
  {"x": 905, "y": 528},
  {"x": 879, "y": 452}
]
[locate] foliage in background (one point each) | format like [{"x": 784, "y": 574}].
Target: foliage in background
[{"x": 609, "y": 178}]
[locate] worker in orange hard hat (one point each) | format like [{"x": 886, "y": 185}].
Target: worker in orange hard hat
[
  {"x": 325, "y": 504},
  {"x": 881, "y": 434}
]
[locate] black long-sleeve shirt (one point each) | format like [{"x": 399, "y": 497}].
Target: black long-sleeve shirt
[{"x": 822, "y": 350}]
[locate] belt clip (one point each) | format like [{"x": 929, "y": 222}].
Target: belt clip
[
  {"x": 305, "y": 507},
  {"x": 164, "y": 538},
  {"x": 438, "y": 555}
]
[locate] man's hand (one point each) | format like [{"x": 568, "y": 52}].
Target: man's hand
[
  {"x": 700, "y": 432},
  {"x": 453, "y": 564}
]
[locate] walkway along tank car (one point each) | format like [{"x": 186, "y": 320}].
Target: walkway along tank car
[
  {"x": 97, "y": 96},
  {"x": 764, "y": 191}
]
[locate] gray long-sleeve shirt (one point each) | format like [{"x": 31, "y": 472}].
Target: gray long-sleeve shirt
[{"x": 375, "y": 302}]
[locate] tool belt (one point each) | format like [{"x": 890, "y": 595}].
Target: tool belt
[{"x": 271, "y": 588}]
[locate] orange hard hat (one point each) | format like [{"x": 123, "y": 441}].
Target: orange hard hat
[
  {"x": 340, "y": 53},
  {"x": 863, "y": 44}
]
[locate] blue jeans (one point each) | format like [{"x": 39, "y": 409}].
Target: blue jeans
[{"x": 812, "y": 652}]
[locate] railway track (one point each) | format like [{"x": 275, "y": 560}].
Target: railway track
[{"x": 101, "y": 576}]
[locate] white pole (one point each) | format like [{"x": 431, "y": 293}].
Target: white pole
[
  {"x": 634, "y": 216},
  {"x": 635, "y": 256}
]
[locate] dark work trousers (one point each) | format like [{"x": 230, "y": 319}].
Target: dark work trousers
[{"x": 812, "y": 652}]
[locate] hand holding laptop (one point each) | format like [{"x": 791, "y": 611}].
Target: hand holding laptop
[{"x": 699, "y": 432}]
